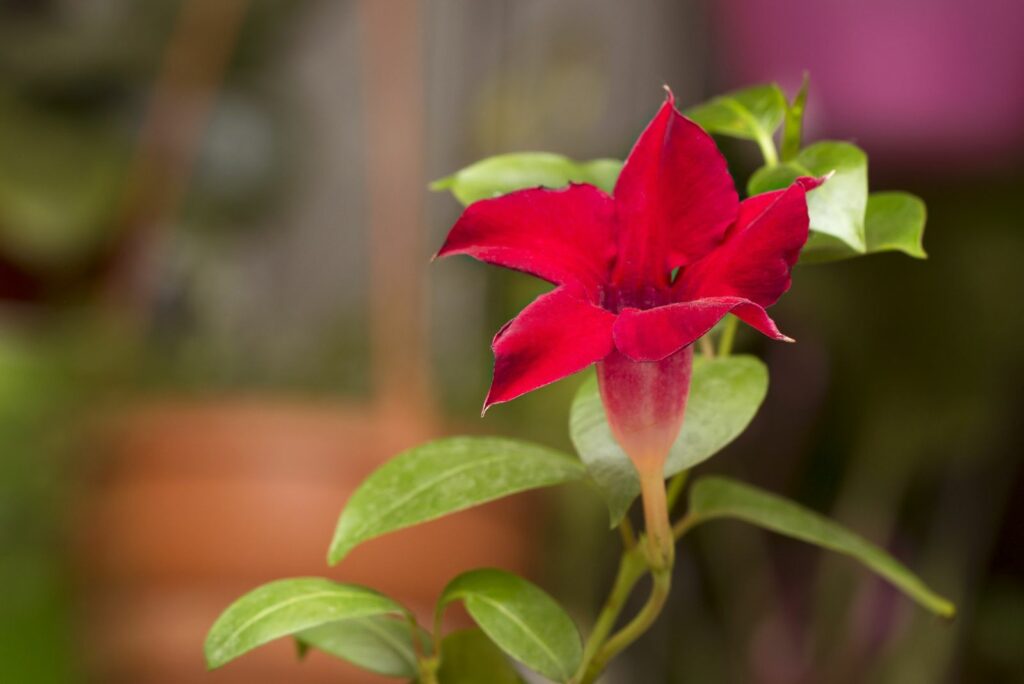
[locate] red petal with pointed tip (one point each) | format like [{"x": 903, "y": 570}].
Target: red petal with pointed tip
[
  {"x": 654, "y": 334},
  {"x": 563, "y": 236},
  {"x": 674, "y": 198},
  {"x": 555, "y": 336},
  {"x": 759, "y": 252}
]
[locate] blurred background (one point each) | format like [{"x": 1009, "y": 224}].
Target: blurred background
[{"x": 217, "y": 315}]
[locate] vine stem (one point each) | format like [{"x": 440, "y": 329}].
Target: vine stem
[
  {"x": 675, "y": 488},
  {"x": 660, "y": 588},
  {"x": 768, "y": 150},
  {"x": 627, "y": 534},
  {"x": 660, "y": 546},
  {"x": 426, "y": 664},
  {"x": 685, "y": 524},
  {"x": 632, "y": 567},
  {"x": 428, "y": 670},
  {"x": 728, "y": 335}
]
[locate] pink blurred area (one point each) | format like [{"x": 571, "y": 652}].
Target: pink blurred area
[{"x": 923, "y": 81}]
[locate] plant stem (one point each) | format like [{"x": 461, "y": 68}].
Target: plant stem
[
  {"x": 632, "y": 567},
  {"x": 657, "y": 552},
  {"x": 706, "y": 348},
  {"x": 675, "y": 488},
  {"x": 658, "y": 549},
  {"x": 428, "y": 670},
  {"x": 636, "y": 627},
  {"x": 426, "y": 664},
  {"x": 768, "y": 151},
  {"x": 595, "y": 656},
  {"x": 627, "y": 534},
  {"x": 660, "y": 546},
  {"x": 728, "y": 335},
  {"x": 685, "y": 524}
]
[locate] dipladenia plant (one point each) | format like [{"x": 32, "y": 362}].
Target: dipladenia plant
[{"x": 649, "y": 259}]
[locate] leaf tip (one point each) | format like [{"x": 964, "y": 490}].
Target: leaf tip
[
  {"x": 442, "y": 184},
  {"x": 336, "y": 553},
  {"x": 212, "y": 658},
  {"x": 946, "y": 610}
]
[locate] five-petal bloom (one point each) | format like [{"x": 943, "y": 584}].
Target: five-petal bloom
[{"x": 640, "y": 275}]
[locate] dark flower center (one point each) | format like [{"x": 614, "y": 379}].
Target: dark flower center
[{"x": 615, "y": 298}]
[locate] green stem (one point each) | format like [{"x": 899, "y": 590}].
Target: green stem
[
  {"x": 656, "y": 552},
  {"x": 426, "y": 664},
  {"x": 631, "y": 568},
  {"x": 636, "y": 627},
  {"x": 767, "y": 145},
  {"x": 627, "y": 534},
  {"x": 685, "y": 524},
  {"x": 706, "y": 348},
  {"x": 675, "y": 488},
  {"x": 428, "y": 670},
  {"x": 728, "y": 335}
]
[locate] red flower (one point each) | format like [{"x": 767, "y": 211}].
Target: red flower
[{"x": 619, "y": 300}]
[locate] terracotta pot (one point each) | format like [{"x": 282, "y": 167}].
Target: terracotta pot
[{"x": 187, "y": 505}]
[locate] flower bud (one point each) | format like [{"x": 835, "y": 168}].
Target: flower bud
[{"x": 644, "y": 402}]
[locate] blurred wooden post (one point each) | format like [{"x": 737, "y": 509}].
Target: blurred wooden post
[
  {"x": 394, "y": 110},
  {"x": 195, "y": 61}
]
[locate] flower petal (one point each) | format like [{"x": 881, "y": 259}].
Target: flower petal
[
  {"x": 654, "y": 334},
  {"x": 758, "y": 254},
  {"x": 555, "y": 336},
  {"x": 563, "y": 236},
  {"x": 674, "y": 199}
]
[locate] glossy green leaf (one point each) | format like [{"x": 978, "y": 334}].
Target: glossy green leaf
[
  {"x": 469, "y": 657},
  {"x": 752, "y": 113},
  {"x": 725, "y": 394},
  {"x": 521, "y": 619},
  {"x": 508, "y": 172},
  {"x": 895, "y": 222},
  {"x": 443, "y": 477},
  {"x": 377, "y": 643},
  {"x": 287, "y": 607},
  {"x": 836, "y": 208},
  {"x": 718, "y": 497}
]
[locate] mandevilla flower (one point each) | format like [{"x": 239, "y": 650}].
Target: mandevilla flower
[{"x": 640, "y": 276}]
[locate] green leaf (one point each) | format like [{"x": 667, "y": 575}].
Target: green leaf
[
  {"x": 725, "y": 394},
  {"x": 836, "y": 208},
  {"x": 895, "y": 222},
  {"x": 377, "y": 643},
  {"x": 443, "y": 477},
  {"x": 469, "y": 657},
  {"x": 287, "y": 607},
  {"x": 718, "y": 497},
  {"x": 752, "y": 113},
  {"x": 521, "y": 619},
  {"x": 508, "y": 172}
]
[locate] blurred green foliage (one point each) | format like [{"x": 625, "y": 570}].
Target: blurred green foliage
[{"x": 35, "y": 627}]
